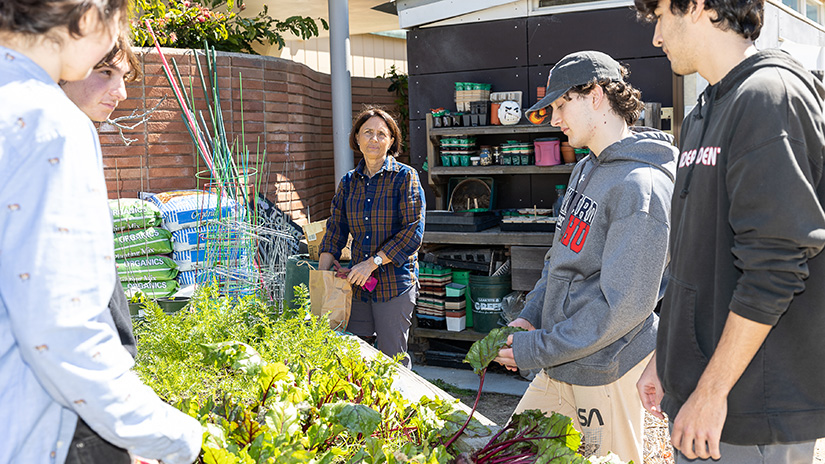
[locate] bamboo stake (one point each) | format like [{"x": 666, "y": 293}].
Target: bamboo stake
[{"x": 188, "y": 116}]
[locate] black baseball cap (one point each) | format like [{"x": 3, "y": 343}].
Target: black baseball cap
[{"x": 576, "y": 69}]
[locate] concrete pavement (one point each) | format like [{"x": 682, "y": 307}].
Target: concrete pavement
[{"x": 466, "y": 379}]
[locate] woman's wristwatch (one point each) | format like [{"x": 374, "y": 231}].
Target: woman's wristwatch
[{"x": 377, "y": 260}]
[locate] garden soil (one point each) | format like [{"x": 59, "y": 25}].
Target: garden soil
[{"x": 498, "y": 407}]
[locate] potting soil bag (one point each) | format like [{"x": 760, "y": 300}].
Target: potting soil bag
[
  {"x": 197, "y": 276},
  {"x": 180, "y": 209},
  {"x": 209, "y": 276},
  {"x": 147, "y": 268},
  {"x": 192, "y": 238},
  {"x": 236, "y": 283},
  {"x": 133, "y": 213},
  {"x": 151, "y": 241},
  {"x": 204, "y": 258},
  {"x": 153, "y": 290}
]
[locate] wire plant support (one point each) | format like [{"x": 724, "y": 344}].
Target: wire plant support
[{"x": 245, "y": 254}]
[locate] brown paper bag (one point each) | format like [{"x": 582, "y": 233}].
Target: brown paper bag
[
  {"x": 330, "y": 295},
  {"x": 314, "y": 232}
]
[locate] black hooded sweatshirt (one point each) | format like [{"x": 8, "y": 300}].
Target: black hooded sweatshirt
[{"x": 747, "y": 230}]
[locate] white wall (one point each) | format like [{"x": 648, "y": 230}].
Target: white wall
[
  {"x": 784, "y": 24},
  {"x": 784, "y": 28},
  {"x": 371, "y": 54}
]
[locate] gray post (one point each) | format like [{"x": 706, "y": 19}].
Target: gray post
[{"x": 339, "y": 52}]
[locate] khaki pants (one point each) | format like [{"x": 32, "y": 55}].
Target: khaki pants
[{"x": 610, "y": 417}]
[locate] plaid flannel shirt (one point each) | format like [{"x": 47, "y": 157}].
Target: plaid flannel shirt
[{"x": 383, "y": 213}]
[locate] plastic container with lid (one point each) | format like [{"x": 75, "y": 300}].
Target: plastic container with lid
[
  {"x": 485, "y": 156},
  {"x": 547, "y": 151}
]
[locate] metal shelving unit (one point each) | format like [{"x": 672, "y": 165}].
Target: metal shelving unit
[{"x": 438, "y": 176}]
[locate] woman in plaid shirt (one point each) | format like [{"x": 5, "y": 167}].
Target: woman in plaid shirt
[{"x": 381, "y": 203}]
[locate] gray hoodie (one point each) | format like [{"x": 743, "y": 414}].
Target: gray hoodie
[{"x": 593, "y": 306}]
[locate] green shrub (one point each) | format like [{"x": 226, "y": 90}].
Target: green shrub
[
  {"x": 187, "y": 24},
  {"x": 275, "y": 387},
  {"x": 285, "y": 388}
]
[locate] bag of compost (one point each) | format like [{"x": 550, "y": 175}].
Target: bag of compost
[
  {"x": 197, "y": 276},
  {"x": 190, "y": 208},
  {"x": 147, "y": 268},
  {"x": 203, "y": 258},
  {"x": 151, "y": 241},
  {"x": 208, "y": 276},
  {"x": 153, "y": 290},
  {"x": 193, "y": 238},
  {"x": 133, "y": 213}
]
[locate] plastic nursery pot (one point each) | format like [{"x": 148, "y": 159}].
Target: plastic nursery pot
[
  {"x": 568, "y": 154},
  {"x": 172, "y": 305},
  {"x": 494, "y": 114},
  {"x": 135, "y": 309}
]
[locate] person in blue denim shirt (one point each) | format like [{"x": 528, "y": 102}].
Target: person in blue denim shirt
[
  {"x": 60, "y": 357},
  {"x": 381, "y": 203}
]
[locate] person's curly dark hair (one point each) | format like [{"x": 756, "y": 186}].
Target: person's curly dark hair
[
  {"x": 625, "y": 100},
  {"x": 745, "y": 17},
  {"x": 123, "y": 51}
]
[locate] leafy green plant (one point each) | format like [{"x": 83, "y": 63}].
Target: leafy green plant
[
  {"x": 274, "y": 387},
  {"x": 137, "y": 296},
  {"x": 480, "y": 355},
  {"x": 281, "y": 389},
  {"x": 530, "y": 436},
  {"x": 300, "y": 303},
  {"x": 399, "y": 85},
  {"x": 484, "y": 351},
  {"x": 187, "y": 24}
]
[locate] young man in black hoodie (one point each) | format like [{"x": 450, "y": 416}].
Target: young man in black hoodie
[{"x": 739, "y": 358}]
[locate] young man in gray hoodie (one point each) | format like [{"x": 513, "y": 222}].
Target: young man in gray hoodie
[{"x": 589, "y": 320}]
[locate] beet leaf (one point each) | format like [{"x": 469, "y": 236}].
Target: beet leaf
[{"x": 484, "y": 351}]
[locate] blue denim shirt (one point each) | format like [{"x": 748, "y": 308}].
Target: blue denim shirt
[{"x": 60, "y": 356}]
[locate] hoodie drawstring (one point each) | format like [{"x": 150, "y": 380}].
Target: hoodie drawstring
[{"x": 705, "y": 124}]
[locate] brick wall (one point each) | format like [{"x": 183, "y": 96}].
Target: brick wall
[{"x": 286, "y": 112}]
